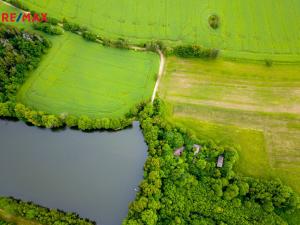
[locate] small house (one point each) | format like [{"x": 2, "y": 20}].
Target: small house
[
  {"x": 179, "y": 151},
  {"x": 197, "y": 149},
  {"x": 220, "y": 161}
]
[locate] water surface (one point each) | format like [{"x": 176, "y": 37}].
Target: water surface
[{"x": 93, "y": 174}]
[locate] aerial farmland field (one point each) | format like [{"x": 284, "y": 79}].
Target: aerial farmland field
[
  {"x": 248, "y": 105},
  {"x": 217, "y": 143},
  {"x": 82, "y": 78},
  {"x": 249, "y": 29}
]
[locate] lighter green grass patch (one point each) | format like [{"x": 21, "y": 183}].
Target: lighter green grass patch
[
  {"x": 84, "y": 78},
  {"x": 246, "y": 105},
  {"x": 248, "y": 142}
]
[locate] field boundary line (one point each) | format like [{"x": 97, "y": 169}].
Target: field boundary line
[{"x": 160, "y": 73}]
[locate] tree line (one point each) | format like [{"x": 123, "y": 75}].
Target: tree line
[
  {"x": 191, "y": 189},
  {"x": 42, "y": 215}
]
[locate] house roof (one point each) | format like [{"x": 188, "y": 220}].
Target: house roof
[{"x": 220, "y": 161}]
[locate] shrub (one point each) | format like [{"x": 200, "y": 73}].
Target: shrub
[
  {"x": 214, "y": 21},
  {"x": 89, "y": 36},
  {"x": 195, "y": 51},
  {"x": 268, "y": 62},
  {"x": 48, "y": 28},
  {"x": 121, "y": 43},
  {"x": 73, "y": 27},
  {"x": 52, "y": 20},
  {"x": 155, "y": 45}
]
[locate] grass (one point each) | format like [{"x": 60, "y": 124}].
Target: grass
[
  {"x": 246, "y": 105},
  {"x": 248, "y": 142},
  {"x": 250, "y": 29},
  {"x": 8, "y": 9},
  {"x": 8, "y": 217},
  {"x": 84, "y": 78}
]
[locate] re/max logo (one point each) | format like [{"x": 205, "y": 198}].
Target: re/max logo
[{"x": 23, "y": 17}]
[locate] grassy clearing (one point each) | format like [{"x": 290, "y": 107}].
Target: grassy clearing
[
  {"x": 248, "y": 105},
  {"x": 85, "y": 78},
  {"x": 250, "y": 29}
]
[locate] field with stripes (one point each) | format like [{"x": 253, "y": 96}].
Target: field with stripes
[
  {"x": 253, "y": 107},
  {"x": 249, "y": 29}
]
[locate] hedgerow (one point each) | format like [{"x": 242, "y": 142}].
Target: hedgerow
[
  {"x": 194, "y": 51},
  {"x": 43, "y": 215}
]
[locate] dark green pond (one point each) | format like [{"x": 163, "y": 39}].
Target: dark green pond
[{"x": 93, "y": 174}]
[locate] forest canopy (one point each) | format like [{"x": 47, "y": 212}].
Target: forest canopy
[{"x": 191, "y": 189}]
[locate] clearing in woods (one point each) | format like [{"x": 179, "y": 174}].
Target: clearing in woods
[
  {"x": 249, "y": 29},
  {"x": 249, "y": 105}
]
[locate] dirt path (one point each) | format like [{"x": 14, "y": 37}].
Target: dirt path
[{"x": 160, "y": 73}]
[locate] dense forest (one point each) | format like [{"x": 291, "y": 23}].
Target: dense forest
[{"x": 189, "y": 188}]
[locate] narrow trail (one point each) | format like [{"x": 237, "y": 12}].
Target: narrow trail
[{"x": 160, "y": 73}]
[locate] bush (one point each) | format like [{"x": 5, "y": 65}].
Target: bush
[
  {"x": 18, "y": 4},
  {"x": 195, "y": 51},
  {"x": 73, "y": 27},
  {"x": 268, "y": 62},
  {"x": 89, "y": 36},
  {"x": 214, "y": 21},
  {"x": 52, "y": 20},
  {"x": 48, "y": 28},
  {"x": 121, "y": 43},
  {"x": 156, "y": 45}
]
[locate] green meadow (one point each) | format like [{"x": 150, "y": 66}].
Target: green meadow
[
  {"x": 249, "y": 29},
  {"x": 251, "y": 106},
  {"x": 84, "y": 78}
]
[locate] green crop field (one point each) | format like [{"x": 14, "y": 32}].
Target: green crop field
[
  {"x": 85, "y": 78},
  {"x": 248, "y": 105},
  {"x": 249, "y": 29}
]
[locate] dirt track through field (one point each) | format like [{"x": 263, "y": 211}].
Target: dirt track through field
[{"x": 160, "y": 73}]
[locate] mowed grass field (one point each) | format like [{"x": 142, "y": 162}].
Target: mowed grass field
[
  {"x": 249, "y": 29},
  {"x": 251, "y": 106},
  {"x": 84, "y": 78}
]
